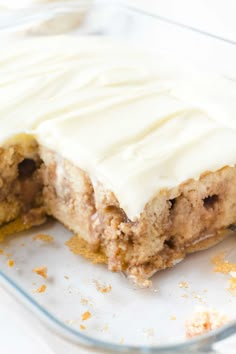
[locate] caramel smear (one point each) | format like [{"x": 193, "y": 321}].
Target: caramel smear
[
  {"x": 13, "y": 227},
  {"x": 204, "y": 321},
  {"x": 78, "y": 246},
  {"x": 10, "y": 263},
  {"x": 42, "y": 271},
  {"x": 222, "y": 265},
  {"x": 43, "y": 237},
  {"x": 86, "y": 315}
]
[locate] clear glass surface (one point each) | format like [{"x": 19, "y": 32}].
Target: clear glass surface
[{"x": 124, "y": 319}]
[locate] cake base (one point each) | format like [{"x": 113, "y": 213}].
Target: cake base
[
  {"x": 36, "y": 181},
  {"x": 175, "y": 222}
]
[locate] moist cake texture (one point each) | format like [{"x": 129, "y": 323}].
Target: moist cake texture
[{"x": 119, "y": 146}]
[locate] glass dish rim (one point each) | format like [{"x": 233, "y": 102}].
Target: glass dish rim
[
  {"x": 173, "y": 23},
  {"x": 203, "y": 342}
]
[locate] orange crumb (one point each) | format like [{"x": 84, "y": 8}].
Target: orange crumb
[
  {"x": 86, "y": 315},
  {"x": 82, "y": 327},
  {"x": 41, "y": 289},
  {"x": 183, "y": 284},
  {"x": 42, "y": 271},
  {"x": 222, "y": 265},
  {"x": 1, "y": 251},
  {"x": 102, "y": 288},
  {"x": 204, "y": 321},
  {"x": 43, "y": 237},
  {"x": 10, "y": 262},
  {"x": 173, "y": 318}
]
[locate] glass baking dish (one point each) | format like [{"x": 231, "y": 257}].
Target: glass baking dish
[{"x": 123, "y": 318}]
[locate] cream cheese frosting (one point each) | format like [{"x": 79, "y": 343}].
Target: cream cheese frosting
[{"x": 127, "y": 118}]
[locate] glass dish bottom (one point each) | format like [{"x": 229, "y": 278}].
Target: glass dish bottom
[{"x": 123, "y": 317}]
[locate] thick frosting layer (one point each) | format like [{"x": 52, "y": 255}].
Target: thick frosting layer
[{"x": 131, "y": 121}]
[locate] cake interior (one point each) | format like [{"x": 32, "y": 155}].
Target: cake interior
[{"x": 36, "y": 182}]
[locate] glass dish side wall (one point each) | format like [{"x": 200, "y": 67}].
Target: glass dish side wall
[{"x": 176, "y": 42}]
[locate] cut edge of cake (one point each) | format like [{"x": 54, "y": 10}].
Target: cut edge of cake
[{"x": 36, "y": 182}]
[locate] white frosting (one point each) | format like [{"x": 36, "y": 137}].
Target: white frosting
[{"x": 129, "y": 120}]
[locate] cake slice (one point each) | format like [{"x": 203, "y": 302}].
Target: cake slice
[{"x": 131, "y": 155}]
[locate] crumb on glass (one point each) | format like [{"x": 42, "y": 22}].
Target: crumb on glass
[
  {"x": 42, "y": 271},
  {"x": 86, "y": 315},
  {"x": 10, "y": 262}
]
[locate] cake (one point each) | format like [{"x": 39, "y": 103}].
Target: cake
[{"x": 114, "y": 143}]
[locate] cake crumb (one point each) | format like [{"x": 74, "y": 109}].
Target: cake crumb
[
  {"x": 42, "y": 271},
  {"x": 105, "y": 328},
  {"x": 1, "y": 251},
  {"x": 41, "y": 289},
  {"x": 225, "y": 267},
  {"x": 222, "y": 265},
  {"x": 183, "y": 284},
  {"x": 173, "y": 318},
  {"x": 10, "y": 262},
  {"x": 203, "y": 321},
  {"x": 43, "y": 237},
  {"x": 198, "y": 297},
  {"x": 232, "y": 286},
  {"x": 101, "y": 287},
  {"x": 66, "y": 277},
  {"x": 82, "y": 327},
  {"x": 84, "y": 301},
  {"x": 86, "y": 315}
]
